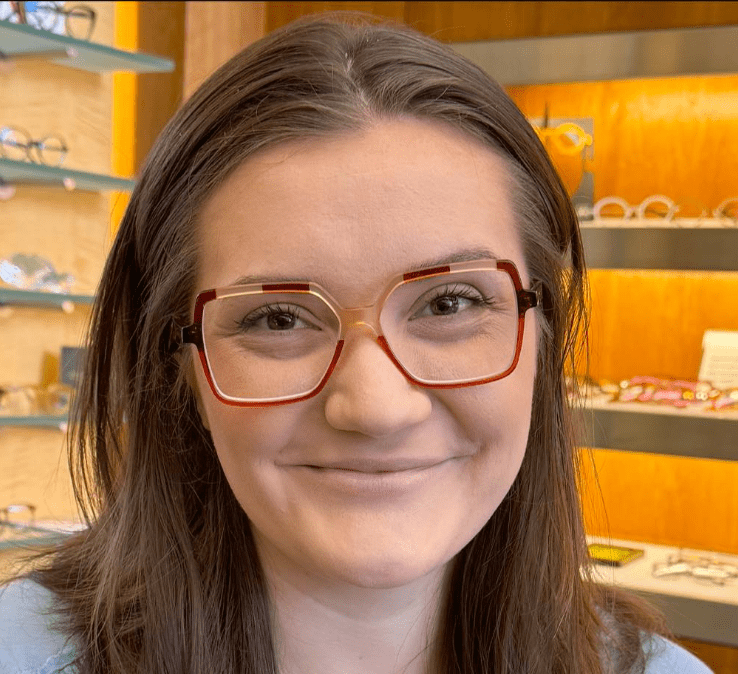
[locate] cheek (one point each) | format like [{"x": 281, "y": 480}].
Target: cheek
[{"x": 244, "y": 438}]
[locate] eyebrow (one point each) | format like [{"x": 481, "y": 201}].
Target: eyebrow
[{"x": 464, "y": 255}]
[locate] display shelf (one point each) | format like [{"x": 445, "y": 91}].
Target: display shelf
[
  {"x": 607, "y": 56},
  {"x": 694, "y": 608},
  {"x": 37, "y": 298},
  {"x": 49, "y": 538},
  {"x": 42, "y": 533},
  {"x": 709, "y": 244},
  {"x": 36, "y": 421},
  {"x": 28, "y": 173},
  {"x": 639, "y": 427},
  {"x": 23, "y": 42}
]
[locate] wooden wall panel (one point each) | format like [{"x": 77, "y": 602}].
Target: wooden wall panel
[
  {"x": 215, "y": 31},
  {"x": 71, "y": 230},
  {"x": 722, "y": 659},
  {"x": 161, "y": 31},
  {"x": 466, "y": 21},
  {"x": 650, "y": 322},
  {"x": 664, "y": 500},
  {"x": 281, "y": 13},
  {"x": 653, "y": 136}
]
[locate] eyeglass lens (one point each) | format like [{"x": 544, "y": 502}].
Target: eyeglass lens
[
  {"x": 444, "y": 329},
  {"x": 79, "y": 23}
]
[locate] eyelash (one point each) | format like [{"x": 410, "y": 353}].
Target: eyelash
[
  {"x": 264, "y": 312},
  {"x": 465, "y": 292}
]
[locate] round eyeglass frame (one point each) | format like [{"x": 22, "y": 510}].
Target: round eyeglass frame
[
  {"x": 366, "y": 316},
  {"x": 31, "y": 145}
]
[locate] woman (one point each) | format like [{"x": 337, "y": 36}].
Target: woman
[{"x": 324, "y": 425}]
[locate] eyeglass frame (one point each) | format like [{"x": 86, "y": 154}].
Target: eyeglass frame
[
  {"x": 14, "y": 508},
  {"x": 638, "y": 210},
  {"x": 367, "y": 316},
  {"x": 35, "y": 144},
  {"x": 19, "y": 8},
  {"x": 567, "y": 129}
]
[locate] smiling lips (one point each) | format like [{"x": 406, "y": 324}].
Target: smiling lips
[{"x": 374, "y": 466}]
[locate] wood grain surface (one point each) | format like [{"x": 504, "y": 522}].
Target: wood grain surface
[
  {"x": 467, "y": 21},
  {"x": 69, "y": 229},
  {"x": 215, "y": 31}
]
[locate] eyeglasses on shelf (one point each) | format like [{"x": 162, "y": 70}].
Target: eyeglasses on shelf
[
  {"x": 701, "y": 567},
  {"x": 661, "y": 207},
  {"x": 567, "y": 138},
  {"x": 16, "y": 518},
  {"x": 17, "y": 144},
  {"x": 78, "y": 21}
]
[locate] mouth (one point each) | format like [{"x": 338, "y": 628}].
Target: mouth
[
  {"x": 372, "y": 467},
  {"x": 372, "y": 478}
]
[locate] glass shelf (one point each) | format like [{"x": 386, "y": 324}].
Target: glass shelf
[
  {"x": 599, "y": 57},
  {"x": 36, "y": 421},
  {"x": 639, "y": 427},
  {"x": 32, "y": 535},
  {"x": 27, "y": 173},
  {"x": 689, "y": 245},
  {"x": 37, "y": 298},
  {"x": 24, "y": 42},
  {"x": 51, "y": 538}
]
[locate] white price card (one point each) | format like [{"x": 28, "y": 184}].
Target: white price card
[{"x": 720, "y": 358}]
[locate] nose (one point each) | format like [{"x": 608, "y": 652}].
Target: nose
[{"x": 368, "y": 394}]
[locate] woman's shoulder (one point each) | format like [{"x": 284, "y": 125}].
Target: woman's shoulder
[
  {"x": 30, "y": 643},
  {"x": 667, "y": 657}
]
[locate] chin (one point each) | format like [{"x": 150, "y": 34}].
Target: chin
[{"x": 386, "y": 573}]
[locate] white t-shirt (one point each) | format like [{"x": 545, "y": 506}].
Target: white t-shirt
[{"x": 29, "y": 644}]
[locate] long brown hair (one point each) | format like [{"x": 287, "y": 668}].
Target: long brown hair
[{"x": 166, "y": 577}]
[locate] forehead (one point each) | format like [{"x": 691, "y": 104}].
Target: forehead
[{"x": 352, "y": 210}]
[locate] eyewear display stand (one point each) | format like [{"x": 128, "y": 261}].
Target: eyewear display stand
[
  {"x": 36, "y": 421},
  {"x": 23, "y": 44},
  {"x": 607, "y": 56},
  {"x": 694, "y": 608},
  {"x": 26, "y": 173},
  {"x": 636, "y": 427},
  {"x": 39, "y": 533},
  {"x": 36, "y": 298},
  {"x": 684, "y": 244},
  {"x": 19, "y": 41}
]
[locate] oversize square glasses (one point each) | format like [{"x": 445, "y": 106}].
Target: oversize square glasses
[{"x": 268, "y": 344}]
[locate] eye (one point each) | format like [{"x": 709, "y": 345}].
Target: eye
[
  {"x": 449, "y": 300},
  {"x": 275, "y": 317}
]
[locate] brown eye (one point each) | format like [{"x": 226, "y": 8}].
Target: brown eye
[
  {"x": 281, "y": 321},
  {"x": 445, "y": 305}
]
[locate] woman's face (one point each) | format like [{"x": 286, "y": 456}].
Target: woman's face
[{"x": 320, "y": 479}]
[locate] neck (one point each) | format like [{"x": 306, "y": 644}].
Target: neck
[{"x": 326, "y": 627}]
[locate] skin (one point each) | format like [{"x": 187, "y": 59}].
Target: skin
[{"x": 356, "y": 575}]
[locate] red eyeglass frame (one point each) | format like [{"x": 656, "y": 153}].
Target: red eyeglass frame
[{"x": 367, "y": 316}]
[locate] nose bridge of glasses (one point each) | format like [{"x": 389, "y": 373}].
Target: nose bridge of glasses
[{"x": 361, "y": 317}]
